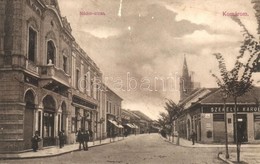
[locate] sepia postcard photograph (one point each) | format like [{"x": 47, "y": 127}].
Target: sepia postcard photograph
[{"x": 129, "y": 81}]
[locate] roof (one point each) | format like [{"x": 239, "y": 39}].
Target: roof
[
  {"x": 142, "y": 115},
  {"x": 129, "y": 114},
  {"x": 196, "y": 96},
  {"x": 251, "y": 97}
]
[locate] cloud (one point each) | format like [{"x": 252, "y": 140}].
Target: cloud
[
  {"x": 161, "y": 32},
  {"x": 203, "y": 37},
  {"x": 103, "y": 32}
]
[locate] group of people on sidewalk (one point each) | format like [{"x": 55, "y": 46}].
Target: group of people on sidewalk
[
  {"x": 83, "y": 137},
  {"x": 36, "y": 139}
]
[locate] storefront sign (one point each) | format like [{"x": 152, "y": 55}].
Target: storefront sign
[
  {"x": 230, "y": 109},
  {"x": 82, "y": 102}
]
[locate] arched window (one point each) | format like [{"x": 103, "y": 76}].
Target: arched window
[{"x": 51, "y": 50}]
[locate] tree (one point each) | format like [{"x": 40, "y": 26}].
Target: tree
[
  {"x": 237, "y": 82},
  {"x": 166, "y": 119}
]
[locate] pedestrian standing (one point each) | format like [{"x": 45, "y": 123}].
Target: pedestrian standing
[
  {"x": 35, "y": 139},
  {"x": 62, "y": 138},
  {"x": 86, "y": 140},
  {"x": 193, "y": 136},
  {"x": 80, "y": 139}
]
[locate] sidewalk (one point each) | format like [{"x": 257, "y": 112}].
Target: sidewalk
[
  {"x": 246, "y": 156},
  {"x": 55, "y": 150}
]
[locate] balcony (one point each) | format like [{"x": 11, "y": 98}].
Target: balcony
[
  {"x": 50, "y": 72},
  {"x": 31, "y": 67}
]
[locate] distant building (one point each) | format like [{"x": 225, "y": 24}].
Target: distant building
[
  {"x": 144, "y": 122},
  {"x": 129, "y": 121}
]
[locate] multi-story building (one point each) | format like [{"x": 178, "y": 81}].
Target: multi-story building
[
  {"x": 86, "y": 83},
  {"x": 47, "y": 82},
  {"x": 35, "y": 74},
  {"x": 113, "y": 113}
]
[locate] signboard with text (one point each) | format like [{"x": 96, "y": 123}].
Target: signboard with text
[{"x": 230, "y": 109}]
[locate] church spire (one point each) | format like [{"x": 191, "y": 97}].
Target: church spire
[
  {"x": 185, "y": 81},
  {"x": 185, "y": 71}
]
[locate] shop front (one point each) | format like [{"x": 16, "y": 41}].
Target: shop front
[
  {"x": 85, "y": 115},
  {"x": 213, "y": 123}
]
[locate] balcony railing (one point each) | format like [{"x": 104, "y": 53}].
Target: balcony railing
[
  {"x": 51, "y": 72},
  {"x": 31, "y": 67}
]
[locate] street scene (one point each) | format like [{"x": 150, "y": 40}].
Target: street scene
[
  {"x": 130, "y": 81},
  {"x": 145, "y": 148}
]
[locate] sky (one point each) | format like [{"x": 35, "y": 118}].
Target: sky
[{"x": 139, "y": 45}]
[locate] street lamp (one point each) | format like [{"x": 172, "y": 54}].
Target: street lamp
[{"x": 225, "y": 119}]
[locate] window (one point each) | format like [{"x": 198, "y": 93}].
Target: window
[
  {"x": 257, "y": 126},
  {"x": 77, "y": 79},
  {"x": 91, "y": 88},
  {"x": 114, "y": 109},
  {"x": 39, "y": 122},
  {"x": 50, "y": 52},
  {"x": 85, "y": 83},
  {"x": 73, "y": 124},
  {"x": 32, "y": 45},
  {"x": 107, "y": 106},
  {"x": 65, "y": 63},
  {"x": 110, "y": 106}
]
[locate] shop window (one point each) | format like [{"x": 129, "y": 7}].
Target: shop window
[
  {"x": 73, "y": 124},
  {"x": 257, "y": 127},
  {"x": 218, "y": 117},
  {"x": 48, "y": 124}
]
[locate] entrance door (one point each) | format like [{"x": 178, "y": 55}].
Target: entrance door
[
  {"x": 48, "y": 121},
  {"x": 28, "y": 119},
  {"x": 241, "y": 127}
]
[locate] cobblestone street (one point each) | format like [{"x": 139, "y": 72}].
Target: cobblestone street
[{"x": 135, "y": 149}]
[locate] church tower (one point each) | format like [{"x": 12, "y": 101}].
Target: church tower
[{"x": 186, "y": 85}]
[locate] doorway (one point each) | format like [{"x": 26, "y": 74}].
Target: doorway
[
  {"x": 48, "y": 121},
  {"x": 28, "y": 118},
  {"x": 241, "y": 127}
]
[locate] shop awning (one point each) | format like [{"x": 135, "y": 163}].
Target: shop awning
[
  {"x": 115, "y": 123},
  {"x": 130, "y": 125},
  {"x": 135, "y": 126},
  {"x": 120, "y": 126}
]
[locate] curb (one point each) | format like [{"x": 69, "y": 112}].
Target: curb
[
  {"x": 222, "y": 157},
  {"x": 53, "y": 155}
]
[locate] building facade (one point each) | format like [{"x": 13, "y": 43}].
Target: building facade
[
  {"x": 203, "y": 113},
  {"x": 47, "y": 82},
  {"x": 113, "y": 114},
  {"x": 205, "y": 116}
]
